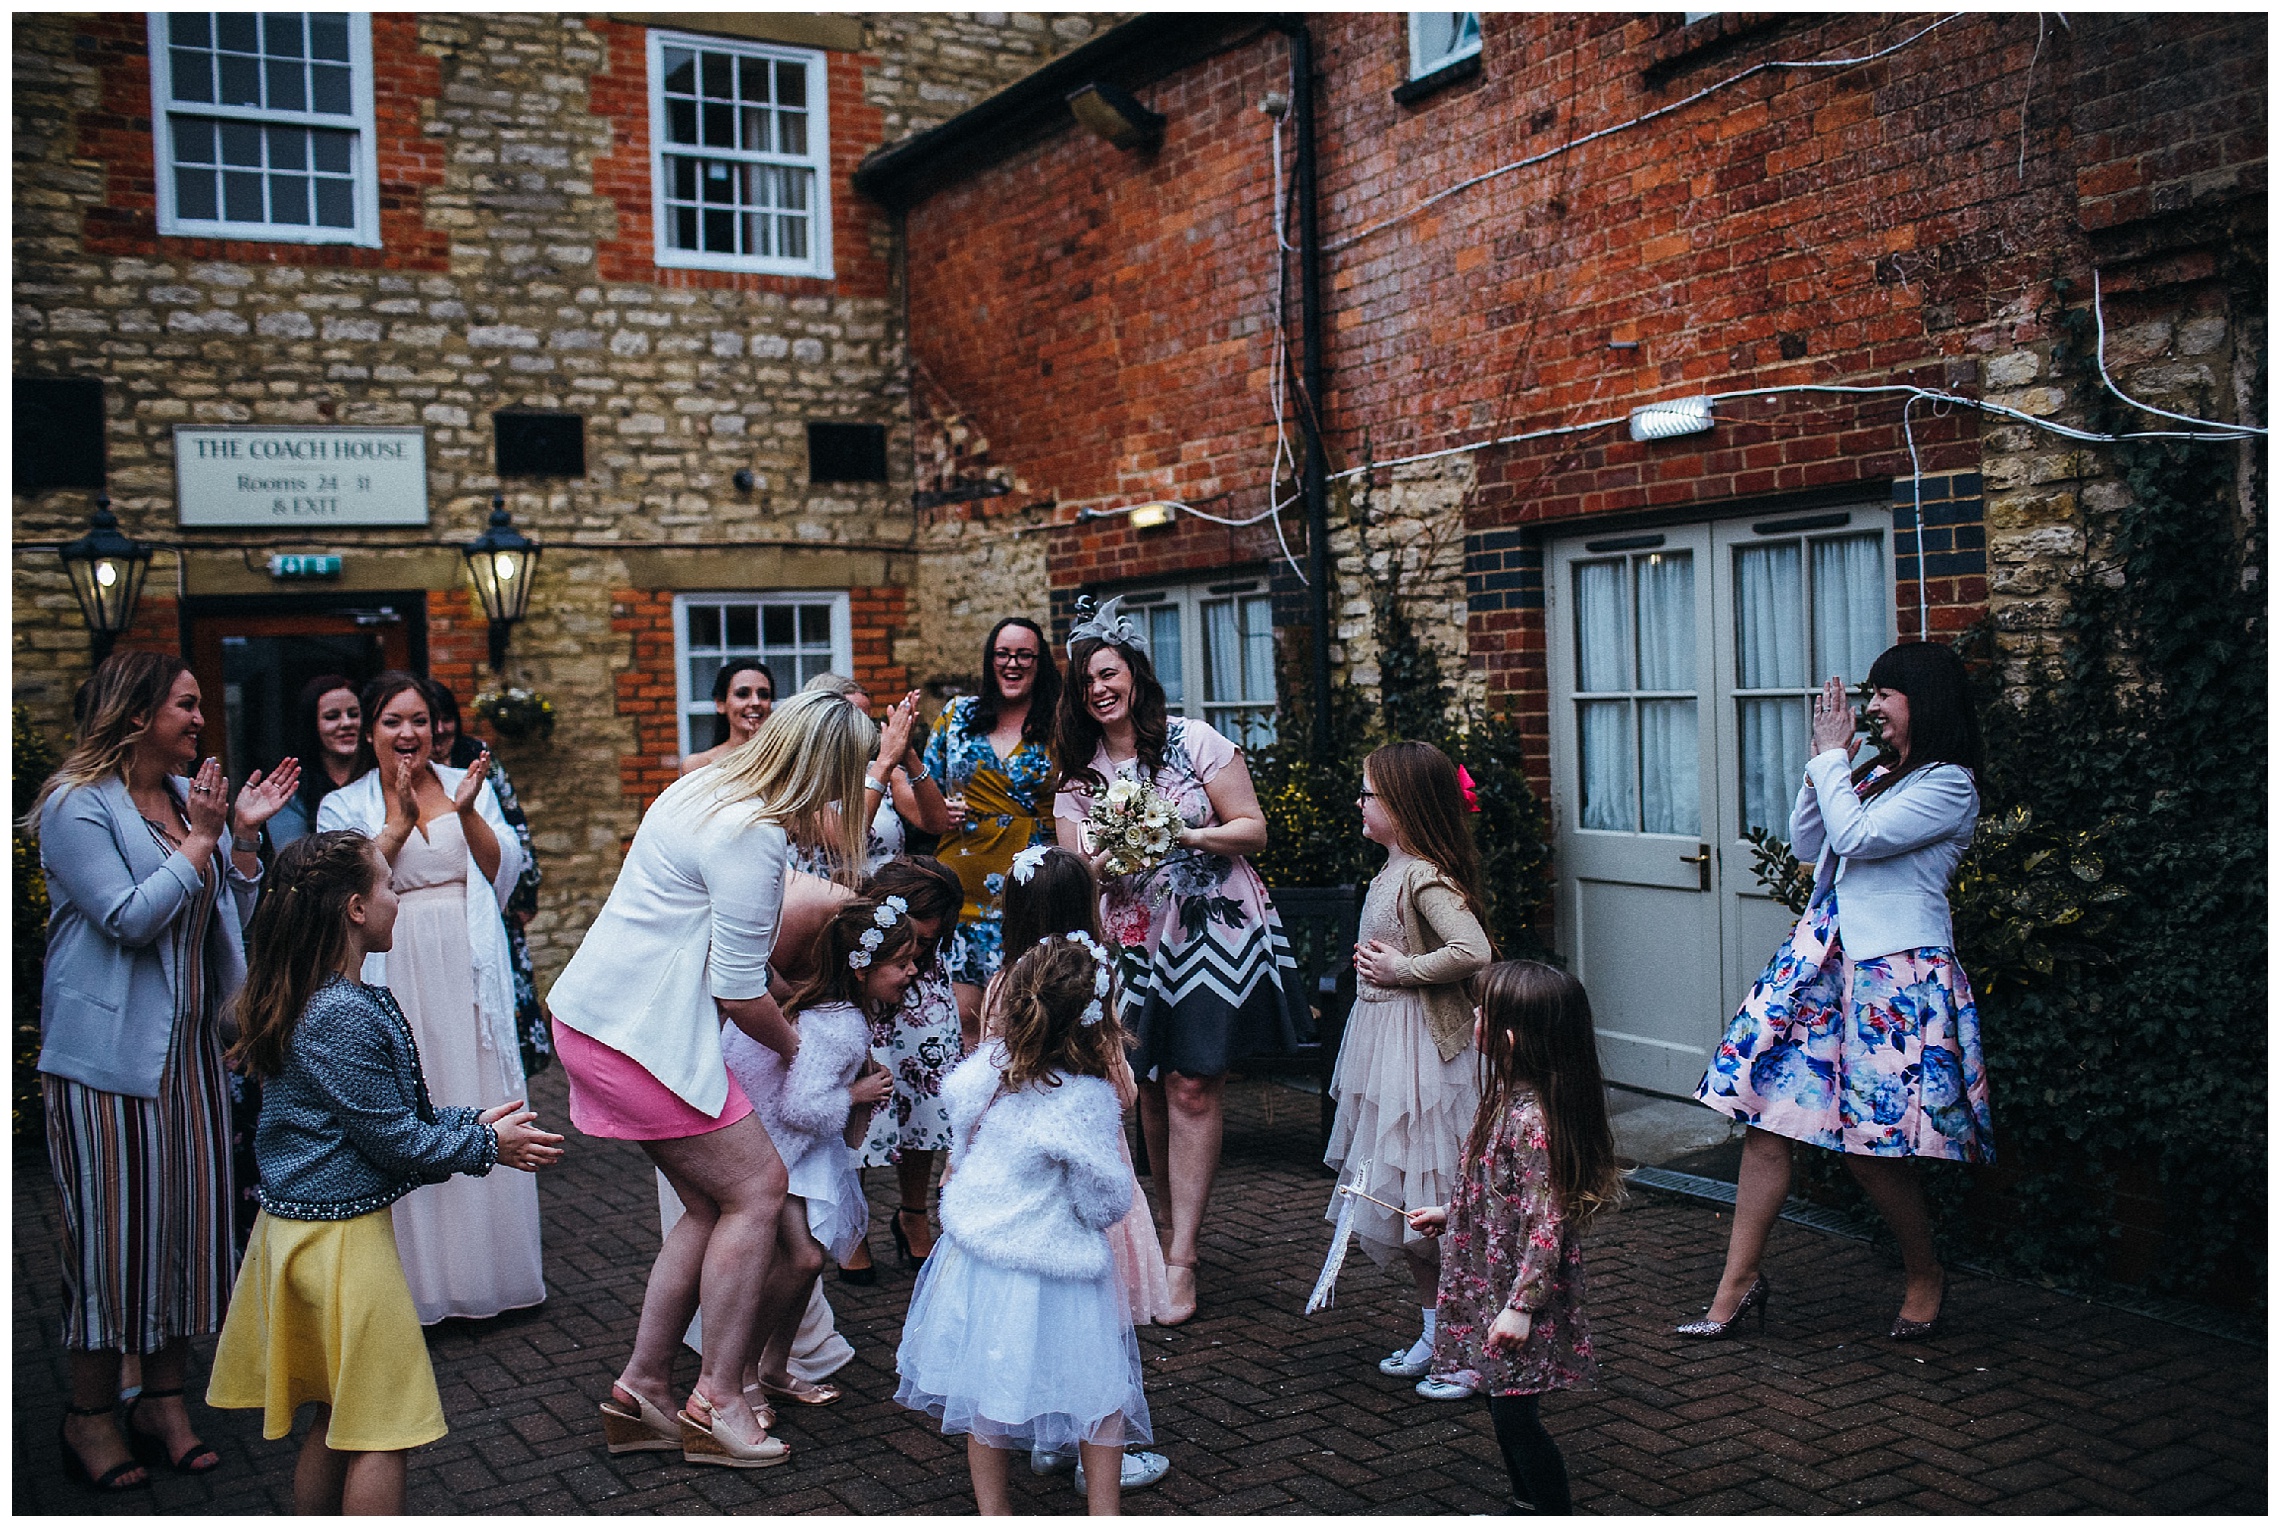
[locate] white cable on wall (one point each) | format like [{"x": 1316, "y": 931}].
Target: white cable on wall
[{"x": 2098, "y": 307}]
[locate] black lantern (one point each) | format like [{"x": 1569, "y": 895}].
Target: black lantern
[
  {"x": 107, "y": 571},
  {"x": 501, "y": 562}
]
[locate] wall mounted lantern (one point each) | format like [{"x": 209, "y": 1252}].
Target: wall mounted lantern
[
  {"x": 501, "y": 563},
  {"x": 107, "y": 571},
  {"x": 1110, "y": 112},
  {"x": 1668, "y": 420}
]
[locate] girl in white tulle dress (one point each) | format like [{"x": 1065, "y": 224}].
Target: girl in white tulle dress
[
  {"x": 817, "y": 1110},
  {"x": 1019, "y": 1333}
]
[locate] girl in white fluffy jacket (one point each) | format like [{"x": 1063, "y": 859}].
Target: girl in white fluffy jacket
[
  {"x": 1018, "y": 1334},
  {"x": 816, "y": 1111}
]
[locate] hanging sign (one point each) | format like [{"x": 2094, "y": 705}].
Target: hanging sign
[{"x": 302, "y": 478}]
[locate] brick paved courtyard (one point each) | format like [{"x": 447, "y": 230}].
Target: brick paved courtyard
[{"x": 2027, "y": 1402}]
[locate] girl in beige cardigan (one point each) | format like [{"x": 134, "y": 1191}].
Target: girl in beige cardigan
[{"x": 1406, "y": 1081}]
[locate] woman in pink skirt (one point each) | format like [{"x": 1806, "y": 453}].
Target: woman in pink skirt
[{"x": 682, "y": 943}]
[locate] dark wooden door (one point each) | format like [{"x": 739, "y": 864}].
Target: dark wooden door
[{"x": 251, "y": 666}]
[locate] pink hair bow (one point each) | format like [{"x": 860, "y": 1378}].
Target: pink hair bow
[{"x": 1472, "y": 796}]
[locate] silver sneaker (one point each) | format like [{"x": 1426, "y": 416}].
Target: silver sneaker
[{"x": 1141, "y": 1470}]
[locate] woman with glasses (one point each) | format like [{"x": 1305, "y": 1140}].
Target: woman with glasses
[{"x": 992, "y": 753}]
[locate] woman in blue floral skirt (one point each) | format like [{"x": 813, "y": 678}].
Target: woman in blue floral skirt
[{"x": 1862, "y": 1036}]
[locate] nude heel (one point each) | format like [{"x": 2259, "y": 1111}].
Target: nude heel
[
  {"x": 640, "y": 1429},
  {"x": 700, "y": 1444}
]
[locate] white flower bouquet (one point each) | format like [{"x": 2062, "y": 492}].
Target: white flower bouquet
[{"x": 1136, "y": 823}]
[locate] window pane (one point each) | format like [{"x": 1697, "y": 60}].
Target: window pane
[
  {"x": 1163, "y": 627},
  {"x": 1222, "y": 652},
  {"x": 1605, "y": 731},
  {"x": 289, "y": 199},
  {"x": 791, "y": 132},
  {"x": 1666, "y": 621},
  {"x": 704, "y": 626},
  {"x": 714, "y": 70},
  {"x": 193, "y": 75},
  {"x": 752, "y": 79},
  {"x": 1601, "y": 628},
  {"x": 332, "y": 150},
  {"x": 336, "y": 203},
  {"x": 328, "y": 36},
  {"x": 684, "y": 231},
  {"x": 680, "y": 124},
  {"x": 720, "y": 232},
  {"x": 742, "y": 623},
  {"x": 241, "y": 198},
  {"x": 194, "y": 140},
  {"x": 702, "y": 672},
  {"x": 241, "y": 81},
  {"x": 1775, "y": 736},
  {"x": 1670, "y": 766},
  {"x": 719, "y": 125},
  {"x": 1768, "y": 614},
  {"x": 1848, "y": 607},
  {"x": 195, "y": 195},
  {"x": 285, "y": 85},
  {"x": 1259, "y": 649},
  {"x": 241, "y": 143},
  {"x": 237, "y": 31},
  {"x": 190, "y": 29},
  {"x": 281, "y": 35},
  {"x": 815, "y": 624},
  {"x": 288, "y": 148},
  {"x": 328, "y": 90},
  {"x": 777, "y": 626}
]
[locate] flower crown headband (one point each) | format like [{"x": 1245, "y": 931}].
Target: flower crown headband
[
  {"x": 883, "y": 917},
  {"x": 1025, "y": 863},
  {"x": 1094, "y": 1010},
  {"x": 1106, "y": 622}
]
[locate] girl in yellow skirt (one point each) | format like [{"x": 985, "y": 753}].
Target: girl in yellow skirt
[{"x": 322, "y": 1312}]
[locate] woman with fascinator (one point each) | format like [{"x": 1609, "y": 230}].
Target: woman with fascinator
[{"x": 1208, "y": 977}]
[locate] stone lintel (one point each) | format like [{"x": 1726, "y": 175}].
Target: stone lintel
[
  {"x": 803, "y": 29},
  {"x": 769, "y": 567},
  {"x": 435, "y": 569}
]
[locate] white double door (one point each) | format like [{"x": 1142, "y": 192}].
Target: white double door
[{"x": 1683, "y": 661}]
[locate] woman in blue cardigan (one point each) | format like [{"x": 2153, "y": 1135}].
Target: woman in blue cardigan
[
  {"x": 1862, "y": 1036},
  {"x": 150, "y": 878}
]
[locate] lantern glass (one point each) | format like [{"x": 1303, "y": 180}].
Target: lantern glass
[
  {"x": 499, "y": 564},
  {"x": 106, "y": 571}
]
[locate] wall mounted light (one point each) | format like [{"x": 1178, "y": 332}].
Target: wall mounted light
[
  {"x": 1140, "y": 517},
  {"x": 1111, "y": 113},
  {"x": 1678, "y": 416},
  {"x": 107, "y": 571},
  {"x": 500, "y": 563}
]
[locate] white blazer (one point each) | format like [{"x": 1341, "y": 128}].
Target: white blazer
[
  {"x": 1891, "y": 857},
  {"x": 692, "y": 918},
  {"x": 360, "y": 806}
]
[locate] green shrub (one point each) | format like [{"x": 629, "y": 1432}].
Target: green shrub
[{"x": 32, "y": 762}]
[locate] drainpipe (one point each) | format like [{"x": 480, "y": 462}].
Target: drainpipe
[{"x": 1315, "y": 477}]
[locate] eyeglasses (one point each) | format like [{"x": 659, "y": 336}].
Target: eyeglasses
[
  {"x": 1366, "y": 795},
  {"x": 1011, "y": 659}
]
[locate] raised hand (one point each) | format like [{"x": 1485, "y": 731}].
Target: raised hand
[
  {"x": 463, "y": 800},
  {"x": 1833, "y": 725},
  {"x": 262, "y": 797},
  {"x": 894, "y": 736},
  {"x": 522, "y": 1145},
  {"x": 209, "y": 802}
]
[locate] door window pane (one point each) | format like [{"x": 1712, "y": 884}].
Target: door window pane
[
  {"x": 1768, "y": 616},
  {"x": 1164, "y": 653},
  {"x": 1666, "y": 622},
  {"x": 1670, "y": 766},
  {"x": 1603, "y": 727},
  {"x": 1239, "y": 667},
  {"x": 1774, "y": 735},
  {"x": 1601, "y": 625},
  {"x": 1848, "y": 607}
]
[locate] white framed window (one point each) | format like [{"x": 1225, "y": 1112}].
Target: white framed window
[
  {"x": 1212, "y": 643},
  {"x": 1439, "y": 38},
  {"x": 739, "y": 145},
  {"x": 798, "y": 635},
  {"x": 262, "y": 124}
]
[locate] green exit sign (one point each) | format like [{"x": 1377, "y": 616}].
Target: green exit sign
[{"x": 305, "y": 565}]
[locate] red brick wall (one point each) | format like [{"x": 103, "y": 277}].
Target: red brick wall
[
  {"x": 859, "y": 230},
  {"x": 117, "y": 133},
  {"x": 458, "y": 643}
]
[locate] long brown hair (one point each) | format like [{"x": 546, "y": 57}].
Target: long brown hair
[
  {"x": 1535, "y": 1032},
  {"x": 835, "y": 981},
  {"x": 1076, "y": 735},
  {"x": 122, "y": 701},
  {"x": 1044, "y": 691},
  {"x": 1041, "y": 1017},
  {"x": 1419, "y": 788},
  {"x": 298, "y": 936},
  {"x": 929, "y": 886},
  {"x": 1060, "y": 895}
]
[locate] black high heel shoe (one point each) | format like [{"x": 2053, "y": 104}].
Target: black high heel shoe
[
  {"x": 150, "y": 1448},
  {"x": 1759, "y": 1297},
  {"x": 902, "y": 1242},
  {"x": 76, "y": 1466}
]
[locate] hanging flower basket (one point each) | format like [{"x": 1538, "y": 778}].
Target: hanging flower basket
[{"x": 515, "y": 713}]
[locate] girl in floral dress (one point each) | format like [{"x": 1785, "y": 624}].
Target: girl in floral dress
[
  {"x": 918, "y": 1044},
  {"x": 1538, "y": 1166},
  {"x": 1862, "y": 1036}
]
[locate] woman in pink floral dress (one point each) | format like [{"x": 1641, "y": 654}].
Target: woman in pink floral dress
[{"x": 1539, "y": 1164}]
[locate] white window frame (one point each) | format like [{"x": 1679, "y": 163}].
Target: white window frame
[
  {"x": 1189, "y": 597},
  {"x": 1419, "y": 65},
  {"x": 164, "y": 108},
  {"x": 691, "y": 704},
  {"x": 817, "y": 159}
]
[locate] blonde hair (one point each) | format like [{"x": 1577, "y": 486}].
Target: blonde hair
[
  {"x": 833, "y": 684},
  {"x": 122, "y": 701},
  {"x": 810, "y": 752}
]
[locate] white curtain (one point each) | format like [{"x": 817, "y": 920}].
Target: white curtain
[
  {"x": 1769, "y": 619},
  {"x": 1848, "y": 607},
  {"x": 1666, "y": 621},
  {"x": 1774, "y": 738},
  {"x": 1602, "y": 662},
  {"x": 1164, "y": 653},
  {"x": 1222, "y": 652},
  {"x": 1604, "y": 728},
  {"x": 1670, "y": 766}
]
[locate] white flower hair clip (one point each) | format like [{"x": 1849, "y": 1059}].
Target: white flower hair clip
[
  {"x": 1094, "y": 1011},
  {"x": 883, "y": 917},
  {"x": 1026, "y": 862}
]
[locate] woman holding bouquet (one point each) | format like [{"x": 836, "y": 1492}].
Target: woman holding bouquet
[{"x": 1208, "y": 976}]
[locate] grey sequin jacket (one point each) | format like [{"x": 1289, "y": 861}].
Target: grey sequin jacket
[{"x": 347, "y": 1128}]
